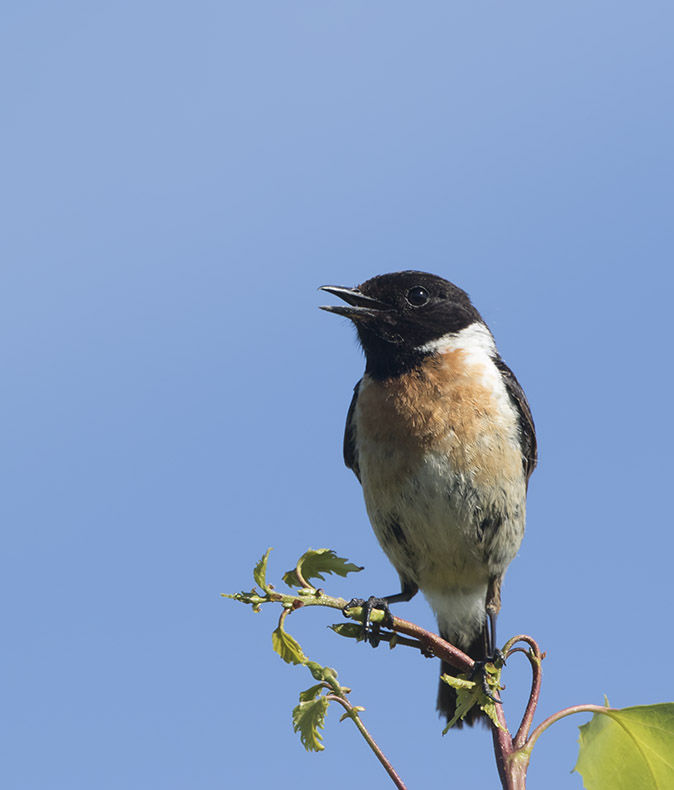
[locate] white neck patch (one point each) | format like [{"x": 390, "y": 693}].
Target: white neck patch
[
  {"x": 479, "y": 352},
  {"x": 476, "y": 340}
]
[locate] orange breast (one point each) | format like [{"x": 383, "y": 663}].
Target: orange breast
[{"x": 452, "y": 405}]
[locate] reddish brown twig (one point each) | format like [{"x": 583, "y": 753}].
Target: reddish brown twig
[{"x": 352, "y": 713}]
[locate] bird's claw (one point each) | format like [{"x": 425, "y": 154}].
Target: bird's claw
[
  {"x": 371, "y": 630},
  {"x": 480, "y": 667},
  {"x": 496, "y": 657}
]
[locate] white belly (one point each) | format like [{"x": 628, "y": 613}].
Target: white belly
[{"x": 427, "y": 520}]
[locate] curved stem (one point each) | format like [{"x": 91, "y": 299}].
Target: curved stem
[
  {"x": 352, "y": 713},
  {"x": 510, "y": 648},
  {"x": 535, "y": 659},
  {"x": 302, "y": 580},
  {"x": 535, "y": 735}
]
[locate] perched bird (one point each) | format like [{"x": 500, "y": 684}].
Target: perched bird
[{"x": 441, "y": 437}]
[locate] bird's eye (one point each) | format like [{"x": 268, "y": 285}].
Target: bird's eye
[{"x": 417, "y": 296}]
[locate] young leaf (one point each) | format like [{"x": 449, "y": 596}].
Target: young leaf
[
  {"x": 287, "y": 647},
  {"x": 629, "y": 748},
  {"x": 311, "y": 693},
  {"x": 469, "y": 693},
  {"x": 466, "y": 697},
  {"x": 260, "y": 572},
  {"x": 314, "y": 563},
  {"x": 460, "y": 683},
  {"x": 493, "y": 675},
  {"x": 308, "y": 718},
  {"x": 290, "y": 578},
  {"x": 350, "y": 630},
  {"x": 489, "y": 707}
]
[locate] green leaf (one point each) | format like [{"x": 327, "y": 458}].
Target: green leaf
[
  {"x": 260, "y": 571},
  {"x": 308, "y": 719},
  {"x": 287, "y": 647},
  {"x": 628, "y": 749},
  {"x": 469, "y": 693},
  {"x": 314, "y": 563},
  {"x": 466, "y": 697},
  {"x": 290, "y": 578},
  {"x": 311, "y": 693},
  {"x": 460, "y": 683},
  {"x": 350, "y": 630},
  {"x": 489, "y": 707},
  {"x": 493, "y": 673}
]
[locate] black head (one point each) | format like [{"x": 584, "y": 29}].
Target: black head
[{"x": 398, "y": 314}]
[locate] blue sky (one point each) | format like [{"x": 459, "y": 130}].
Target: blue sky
[{"x": 177, "y": 180}]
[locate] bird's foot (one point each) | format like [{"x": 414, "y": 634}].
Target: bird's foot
[
  {"x": 371, "y": 630},
  {"x": 496, "y": 658}
]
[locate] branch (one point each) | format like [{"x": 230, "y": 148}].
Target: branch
[
  {"x": 535, "y": 735},
  {"x": 512, "y": 755},
  {"x": 433, "y": 644},
  {"x": 535, "y": 658},
  {"x": 352, "y": 713}
]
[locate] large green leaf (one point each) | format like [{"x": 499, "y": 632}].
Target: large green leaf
[{"x": 628, "y": 749}]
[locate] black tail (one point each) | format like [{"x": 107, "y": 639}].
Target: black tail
[{"x": 446, "y": 704}]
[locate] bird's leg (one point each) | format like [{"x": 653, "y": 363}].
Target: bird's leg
[
  {"x": 493, "y": 607},
  {"x": 371, "y": 630},
  {"x": 494, "y": 654}
]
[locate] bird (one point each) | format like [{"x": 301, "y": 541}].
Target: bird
[{"x": 441, "y": 437}]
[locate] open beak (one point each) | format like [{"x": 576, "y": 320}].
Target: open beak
[{"x": 358, "y": 305}]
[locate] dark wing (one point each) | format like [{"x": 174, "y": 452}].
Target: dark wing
[
  {"x": 350, "y": 454},
  {"x": 527, "y": 429}
]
